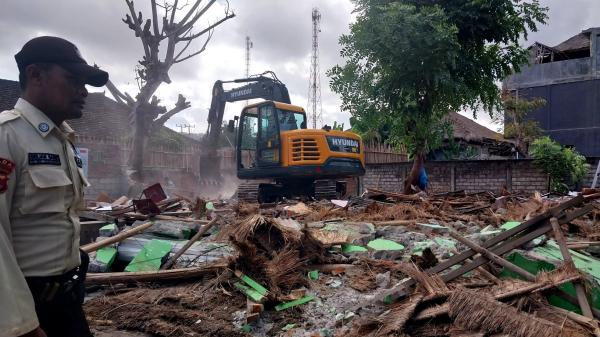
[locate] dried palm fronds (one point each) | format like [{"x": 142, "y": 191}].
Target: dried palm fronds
[{"x": 473, "y": 311}]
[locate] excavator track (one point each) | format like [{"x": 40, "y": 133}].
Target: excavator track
[
  {"x": 325, "y": 189},
  {"x": 248, "y": 192}
]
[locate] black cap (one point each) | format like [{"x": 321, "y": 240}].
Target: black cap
[{"x": 50, "y": 49}]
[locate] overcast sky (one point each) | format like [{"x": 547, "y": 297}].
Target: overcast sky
[{"x": 280, "y": 31}]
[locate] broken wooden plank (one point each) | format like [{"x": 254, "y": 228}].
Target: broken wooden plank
[
  {"x": 154, "y": 276},
  {"x": 188, "y": 244},
  {"x": 96, "y": 216},
  {"x": 584, "y": 305}
]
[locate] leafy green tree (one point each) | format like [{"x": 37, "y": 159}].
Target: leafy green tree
[
  {"x": 517, "y": 125},
  {"x": 565, "y": 166},
  {"x": 410, "y": 62}
]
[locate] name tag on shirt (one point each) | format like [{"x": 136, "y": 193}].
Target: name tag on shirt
[{"x": 44, "y": 159}]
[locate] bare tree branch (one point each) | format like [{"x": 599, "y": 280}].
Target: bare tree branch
[
  {"x": 118, "y": 95},
  {"x": 134, "y": 22},
  {"x": 189, "y": 13},
  {"x": 191, "y": 37},
  {"x": 181, "y": 105},
  {"x": 154, "y": 18},
  {"x": 173, "y": 13},
  {"x": 183, "y": 49},
  {"x": 196, "y": 17},
  {"x": 196, "y": 53}
]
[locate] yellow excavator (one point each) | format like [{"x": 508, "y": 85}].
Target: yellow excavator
[{"x": 275, "y": 149}]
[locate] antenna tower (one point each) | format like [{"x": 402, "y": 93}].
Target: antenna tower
[
  {"x": 314, "y": 88},
  {"x": 248, "y": 47}
]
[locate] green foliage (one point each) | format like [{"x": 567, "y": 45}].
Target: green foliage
[
  {"x": 565, "y": 166},
  {"x": 410, "y": 62},
  {"x": 338, "y": 127},
  {"x": 514, "y": 115}
]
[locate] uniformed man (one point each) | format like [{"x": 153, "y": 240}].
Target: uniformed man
[{"x": 41, "y": 189}]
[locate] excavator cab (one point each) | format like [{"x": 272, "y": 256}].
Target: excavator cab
[{"x": 259, "y": 143}]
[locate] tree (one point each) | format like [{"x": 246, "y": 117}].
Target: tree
[
  {"x": 153, "y": 69},
  {"x": 564, "y": 166},
  {"x": 410, "y": 62},
  {"x": 517, "y": 125}
]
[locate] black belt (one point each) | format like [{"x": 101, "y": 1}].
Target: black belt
[{"x": 47, "y": 288}]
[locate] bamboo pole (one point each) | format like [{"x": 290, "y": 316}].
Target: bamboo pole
[
  {"x": 579, "y": 289},
  {"x": 188, "y": 244},
  {"x": 153, "y": 276},
  {"x": 94, "y": 246}
]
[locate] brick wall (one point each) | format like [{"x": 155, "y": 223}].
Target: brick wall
[{"x": 471, "y": 176}]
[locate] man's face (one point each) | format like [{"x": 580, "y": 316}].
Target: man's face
[{"x": 64, "y": 93}]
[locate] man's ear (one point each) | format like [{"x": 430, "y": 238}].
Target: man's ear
[{"x": 35, "y": 74}]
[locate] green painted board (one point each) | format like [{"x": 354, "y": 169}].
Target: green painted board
[
  {"x": 106, "y": 255},
  {"x": 254, "y": 285},
  {"x": 348, "y": 248},
  {"x": 550, "y": 252},
  {"x": 510, "y": 225},
  {"x": 383, "y": 244},
  {"x": 108, "y": 230},
  {"x": 251, "y": 293},
  {"x": 287, "y": 305},
  {"x": 150, "y": 257}
]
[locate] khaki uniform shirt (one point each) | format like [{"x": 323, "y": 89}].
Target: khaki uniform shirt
[{"x": 39, "y": 224}]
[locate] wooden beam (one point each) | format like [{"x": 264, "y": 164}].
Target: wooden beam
[
  {"x": 188, "y": 244},
  {"x": 579, "y": 289},
  {"x": 94, "y": 246},
  {"x": 154, "y": 276},
  {"x": 493, "y": 257}
]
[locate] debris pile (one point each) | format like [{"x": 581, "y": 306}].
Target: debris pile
[{"x": 382, "y": 264}]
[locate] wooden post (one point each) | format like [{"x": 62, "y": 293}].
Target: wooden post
[
  {"x": 579, "y": 289},
  {"x": 188, "y": 244},
  {"x": 94, "y": 246}
]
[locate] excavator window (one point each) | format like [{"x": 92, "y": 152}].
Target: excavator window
[
  {"x": 289, "y": 120},
  {"x": 268, "y": 136},
  {"x": 249, "y": 135}
]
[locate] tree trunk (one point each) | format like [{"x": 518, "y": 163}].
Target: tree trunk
[
  {"x": 140, "y": 132},
  {"x": 413, "y": 176}
]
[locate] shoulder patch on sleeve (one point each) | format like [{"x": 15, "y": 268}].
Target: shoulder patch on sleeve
[
  {"x": 8, "y": 115},
  {"x": 6, "y": 168}
]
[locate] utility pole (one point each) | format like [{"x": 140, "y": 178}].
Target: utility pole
[
  {"x": 314, "y": 89},
  {"x": 249, "y": 45},
  {"x": 189, "y": 127},
  {"x": 184, "y": 126}
]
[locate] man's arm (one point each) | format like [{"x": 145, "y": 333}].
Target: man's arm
[{"x": 17, "y": 312}]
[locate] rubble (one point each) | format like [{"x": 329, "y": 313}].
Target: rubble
[{"x": 383, "y": 264}]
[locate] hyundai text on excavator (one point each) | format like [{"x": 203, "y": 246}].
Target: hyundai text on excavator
[{"x": 274, "y": 146}]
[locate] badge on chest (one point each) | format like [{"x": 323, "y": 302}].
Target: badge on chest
[{"x": 44, "y": 159}]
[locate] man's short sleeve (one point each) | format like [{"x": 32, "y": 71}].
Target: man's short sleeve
[{"x": 17, "y": 312}]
